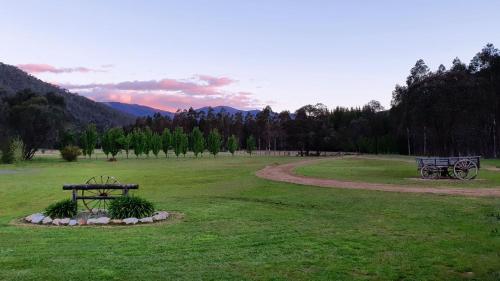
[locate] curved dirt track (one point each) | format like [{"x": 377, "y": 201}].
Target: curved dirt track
[{"x": 284, "y": 173}]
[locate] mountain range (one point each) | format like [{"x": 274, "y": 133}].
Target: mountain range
[
  {"x": 143, "y": 111},
  {"x": 82, "y": 110},
  {"x": 79, "y": 109}
]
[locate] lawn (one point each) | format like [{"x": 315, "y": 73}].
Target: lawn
[
  {"x": 392, "y": 170},
  {"x": 239, "y": 227}
]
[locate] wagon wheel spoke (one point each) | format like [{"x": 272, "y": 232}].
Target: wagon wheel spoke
[
  {"x": 91, "y": 191},
  {"x": 92, "y": 180},
  {"x": 91, "y": 204},
  {"x": 110, "y": 180}
]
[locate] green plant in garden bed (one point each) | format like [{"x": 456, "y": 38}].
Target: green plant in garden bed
[
  {"x": 130, "y": 207},
  {"x": 62, "y": 209}
]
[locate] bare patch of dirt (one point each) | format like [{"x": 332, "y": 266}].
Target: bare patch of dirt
[{"x": 284, "y": 173}]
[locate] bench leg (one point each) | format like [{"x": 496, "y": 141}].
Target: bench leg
[{"x": 73, "y": 195}]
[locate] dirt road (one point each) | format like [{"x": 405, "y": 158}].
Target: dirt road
[{"x": 284, "y": 173}]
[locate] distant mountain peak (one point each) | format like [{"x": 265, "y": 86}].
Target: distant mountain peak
[{"x": 143, "y": 111}]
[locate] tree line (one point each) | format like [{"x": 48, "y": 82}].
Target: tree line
[
  {"x": 144, "y": 142},
  {"x": 444, "y": 112}
]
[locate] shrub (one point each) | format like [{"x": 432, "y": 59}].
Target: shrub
[
  {"x": 7, "y": 155},
  {"x": 12, "y": 151},
  {"x": 130, "y": 207},
  {"x": 70, "y": 153},
  {"x": 62, "y": 209},
  {"x": 17, "y": 148}
]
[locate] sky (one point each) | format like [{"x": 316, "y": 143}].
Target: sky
[{"x": 245, "y": 54}]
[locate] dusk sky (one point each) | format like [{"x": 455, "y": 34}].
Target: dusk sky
[{"x": 244, "y": 54}]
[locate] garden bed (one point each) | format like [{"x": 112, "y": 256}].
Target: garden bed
[{"x": 88, "y": 219}]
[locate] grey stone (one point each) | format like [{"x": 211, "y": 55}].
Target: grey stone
[
  {"x": 130, "y": 220},
  {"x": 146, "y": 220},
  {"x": 64, "y": 221},
  {"x": 162, "y": 215},
  {"x": 47, "y": 220},
  {"x": 28, "y": 218},
  {"x": 37, "y": 218},
  {"x": 91, "y": 221},
  {"x": 72, "y": 222},
  {"x": 102, "y": 220},
  {"x": 56, "y": 221}
]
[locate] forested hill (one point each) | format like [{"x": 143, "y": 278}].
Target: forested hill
[{"x": 80, "y": 110}]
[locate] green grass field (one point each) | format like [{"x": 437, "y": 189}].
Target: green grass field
[
  {"x": 239, "y": 227},
  {"x": 392, "y": 170}
]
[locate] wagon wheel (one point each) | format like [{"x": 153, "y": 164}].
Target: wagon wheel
[
  {"x": 97, "y": 205},
  {"x": 429, "y": 172},
  {"x": 465, "y": 170}
]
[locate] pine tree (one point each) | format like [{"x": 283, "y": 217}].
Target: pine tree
[
  {"x": 83, "y": 143},
  {"x": 156, "y": 144},
  {"x": 166, "y": 141},
  {"x": 137, "y": 142},
  {"x": 250, "y": 144},
  {"x": 106, "y": 143},
  {"x": 177, "y": 139},
  {"x": 184, "y": 144},
  {"x": 148, "y": 137},
  {"x": 126, "y": 143},
  {"x": 114, "y": 138},
  {"x": 214, "y": 142},
  {"x": 198, "y": 141},
  {"x": 232, "y": 144},
  {"x": 89, "y": 140}
]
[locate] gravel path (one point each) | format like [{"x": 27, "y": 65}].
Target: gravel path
[{"x": 284, "y": 173}]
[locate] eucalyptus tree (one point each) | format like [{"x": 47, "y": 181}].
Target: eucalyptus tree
[{"x": 36, "y": 118}]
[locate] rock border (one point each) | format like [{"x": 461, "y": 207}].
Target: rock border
[{"x": 39, "y": 220}]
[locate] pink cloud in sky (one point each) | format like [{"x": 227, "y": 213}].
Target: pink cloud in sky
[
  {"x": 39, "y": 68},
  {"x": 203, "y": 85},
  {"x": 169, "y": 94}
]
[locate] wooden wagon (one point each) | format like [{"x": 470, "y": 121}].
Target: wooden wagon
[
  {"x": 463, "y": 168},
  {"x": 97, "y": 191}
]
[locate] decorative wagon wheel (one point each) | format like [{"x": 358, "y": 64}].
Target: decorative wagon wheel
[
  {"x": 429, "y": 172},
  {"x": 465, "y": 169},
  {"x": 96, "y": 205}
]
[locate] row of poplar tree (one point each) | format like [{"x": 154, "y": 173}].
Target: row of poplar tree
[{"x": 145, "y": 142}]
